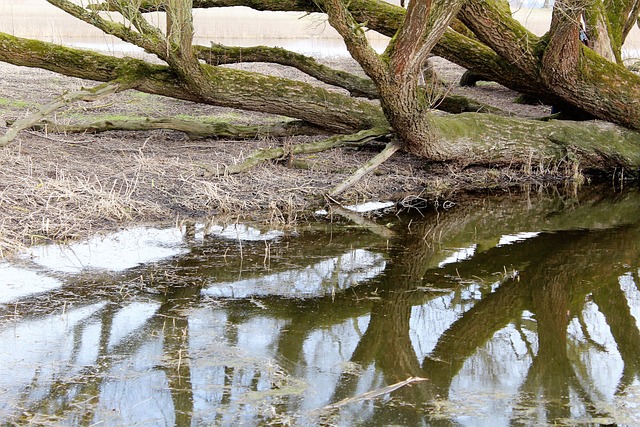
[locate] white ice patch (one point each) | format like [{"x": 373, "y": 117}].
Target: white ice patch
[
  {"x": 362, "y": 207},
  {"x": 508, "y": 239},
  {"x": 370, "y": 206}
]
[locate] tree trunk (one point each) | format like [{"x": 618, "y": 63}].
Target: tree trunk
[
  {"x": 467, "y": 138},
  {"x": 228, "y": 87},
  {"x": 597, "y": 32},
  {"x": 507, "y": 53},
  {"x": 557, "y": 64}
]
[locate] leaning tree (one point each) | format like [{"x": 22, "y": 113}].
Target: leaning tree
[{"x": 480, "y": 35}]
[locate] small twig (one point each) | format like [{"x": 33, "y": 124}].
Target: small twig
[{"x": 65, "y": 141}]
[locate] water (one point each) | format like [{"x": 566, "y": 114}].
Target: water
[
  {"x": 233, "y": 26},
  {"x": 309, "y": 34},
  {"x": 518, "y": 310}
]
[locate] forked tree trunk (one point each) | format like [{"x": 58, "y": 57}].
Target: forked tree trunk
[
  {"x": 574, "y": 71},
  {"x": 504, "y": 51},
  {"x": 597, "y": 32},
  {"x": 398, "y": 71}
]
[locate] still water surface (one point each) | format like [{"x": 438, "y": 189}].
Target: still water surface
[{"x": 517, "y": 310}]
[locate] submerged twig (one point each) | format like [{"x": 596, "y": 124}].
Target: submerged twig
[
  {"x": 359, "y": 220},
  {"x": 375, "y": 393}
]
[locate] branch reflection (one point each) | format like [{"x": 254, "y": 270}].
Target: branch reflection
[{"x": 515, "y": 310}]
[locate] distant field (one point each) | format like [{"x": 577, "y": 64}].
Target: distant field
[{"x": 38, "y": 19}]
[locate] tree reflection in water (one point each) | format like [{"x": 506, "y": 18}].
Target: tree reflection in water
[{"x": 517, "y": 311}]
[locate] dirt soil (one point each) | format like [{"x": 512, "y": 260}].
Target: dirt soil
[{"x": 58, "y": 187}]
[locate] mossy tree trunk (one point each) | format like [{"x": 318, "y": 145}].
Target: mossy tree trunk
[
  {"x": 398, "y": 71},
  {"x": 608, "y": 23},
  {"x": 502, "y": 50},
  {"x": 556, "y": 61}
]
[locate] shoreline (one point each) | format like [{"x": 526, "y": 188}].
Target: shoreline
[{"x": 67, "y": 187}]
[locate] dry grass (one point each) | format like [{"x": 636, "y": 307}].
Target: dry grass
[{"x": 58, "y": 187}]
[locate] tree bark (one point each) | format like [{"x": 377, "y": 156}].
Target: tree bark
[
  {"x": 356, "y": 85},
  {"x": 228, "y": 87},
  {"x": 505, "y": 52},
  {"x": 470, "y": 138},
  {"x": 557, "y": 63},
  {"x": 192, "y": 128}
]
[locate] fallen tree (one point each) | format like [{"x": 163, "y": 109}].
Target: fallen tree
[
  {"x": 568, "y": 73},
  {"x": 490, "y": 42}
]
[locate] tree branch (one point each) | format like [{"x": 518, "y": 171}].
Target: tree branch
[
  {"x": 131, "y": 11},
  {"x": 92, "y": 94},
  {"x": 151, "y": 41},
  {"x": 227, "y": 87},
  {"x": 192, "y": 128},
  {"x": 218, "y": 54},
  {"x": 180, "y": 29},
  {"x": 632, "y": 18},
  {"x": 367, "y": 167},
  {"x": 354, "y": 37},
  {"x": 491, "y": 23},
  {"x": 354, "y": 140}
]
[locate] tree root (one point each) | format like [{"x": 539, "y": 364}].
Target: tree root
[
  {"x": 263, "y": 155},
  {"x": 192, "y": 128},
  {"x": 91, "y": 94}
]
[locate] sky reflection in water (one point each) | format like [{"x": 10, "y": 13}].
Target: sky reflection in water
[{"x": 517, "y": 310}]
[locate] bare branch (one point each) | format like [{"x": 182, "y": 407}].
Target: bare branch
[
  {"x": 354, "y": 37},
  {"x": 367, "y": 167},
  {"x": 148, "y": 41},
  {"x": 131, "y": 11}
]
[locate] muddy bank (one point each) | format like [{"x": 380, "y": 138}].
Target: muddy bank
[{"x": 57, "y": 187}]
